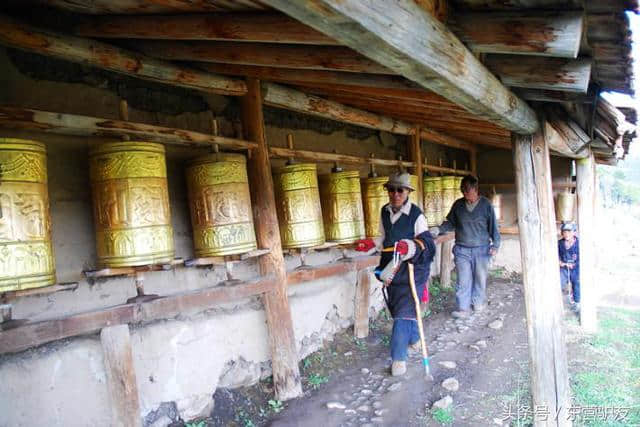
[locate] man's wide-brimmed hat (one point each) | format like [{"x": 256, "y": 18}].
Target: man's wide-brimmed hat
[{"x": 399, "y": 179}]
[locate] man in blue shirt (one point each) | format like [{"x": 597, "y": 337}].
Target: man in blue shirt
[
  {"x": 569, "y": 254},
  {"x": 477, "y": 240}
]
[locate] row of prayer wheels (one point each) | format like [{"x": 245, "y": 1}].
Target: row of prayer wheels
[
  {"x": 440, "y": 192},
  {"x": 132, "y": 211}
]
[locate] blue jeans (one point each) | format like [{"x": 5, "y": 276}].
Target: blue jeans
[
  {"x": 573, "y": 276},
  {"x": 471, "y": 265},
  {"x": 405, "y": 332}
]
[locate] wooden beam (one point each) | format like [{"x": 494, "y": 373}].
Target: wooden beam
[
  {"x": 282, "y": 341},
  {"x": 473, "y": 160},
  {"x": 435, "y": 137},
  {"x": 38, "y": 333},
  {"x": 518, "y": 4},
  {"x": 121, "y": 376},
  {"x": 335, "y": 58},
  {"x": 316, "y": 156},
  {"x": 291, "y": 99},
  {"x": 247, "y": 27},
  {"x": 538, "y": 72},
  {"x": 585, "y": 192},
  {"x": 541, "y": 276},
  {"x": 563, "y": 135},
  {"x": 446, "y": 263},
  {"x": 409, "y": 41},
  {"x": 331, "y": 269},
  {"x": 361, "y": 308},
  {"x": 534, "y": 33},
  {"x": 73, "y": 124},
  {"x": 554, "y": 96},
  {"x": 140, "y": 7},
  {"x": 19, "y": 35},
  {"x": 415, "y": 155},
  {"x": 392, "y": 86}
]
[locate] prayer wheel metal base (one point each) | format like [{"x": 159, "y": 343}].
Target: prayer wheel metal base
[
  {"x": 298, "y": 206},
  {"x": 131, "y": 204},
  {"x": 413, "y": 196},
  {"x": 342, "y": 211},
  {"x": 220, "y": 205},
  {"x": 374, "y": 197},
  {"x": 26, "y": 251}
]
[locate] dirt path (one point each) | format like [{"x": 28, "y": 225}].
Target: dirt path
[{"x": 361, "y": 392}]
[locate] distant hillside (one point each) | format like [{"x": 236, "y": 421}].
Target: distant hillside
[{"x": 621, "y": 184}]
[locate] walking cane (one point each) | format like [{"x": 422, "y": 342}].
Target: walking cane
[{"x": 423, "y": 343}]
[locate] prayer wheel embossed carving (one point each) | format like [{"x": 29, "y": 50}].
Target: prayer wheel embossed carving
[
  {"x": 413, "y": 196},
  {"x": 131, "y": 204},
  {"x": 298, "y": 206},
  {"x": 26, "y": 251},
  {"x": 433, "y": 200},
  {"x": 342, "y": 211},
  {"x": 220, "y": 205},
  {"x": 374, "y": 197},
  {"x": 449, "y": 193}
]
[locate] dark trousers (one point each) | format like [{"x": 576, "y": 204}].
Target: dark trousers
[
  {"x": 405, "y": 332},
  {"x": 573, "y": 276}
]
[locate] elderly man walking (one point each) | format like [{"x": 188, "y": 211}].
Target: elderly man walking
[
  {"x": 477, "y": 239},
  {"x": 403, "y": 227}
]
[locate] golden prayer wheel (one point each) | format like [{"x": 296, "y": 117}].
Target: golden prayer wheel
[
  {"x": 26, "y": 251},
  {"x": 342, "y": 211},
  {"x": 459, "y": 185},
  {"x": 374, "y": 197},
  {"x": 413, "y": 196},
  {"x": 220, "y": 205},
  {"x": 449, "y": 193},
  {"x": 131, "y": 204},
  {"x": 298, "y": 206},
  {"x": 564, "y": 206},
  {"x": 433, "y": 200}
]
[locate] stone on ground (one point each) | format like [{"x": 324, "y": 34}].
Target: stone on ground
[
  {"x": 335, "y": 405},
  {"x": 395, "y": 386},
  {"x": 496, "y": 324},
  {"x": 443, "y": 403},
  {"x": 448, "y": 364},
  {"x": 451, "y": 384}
]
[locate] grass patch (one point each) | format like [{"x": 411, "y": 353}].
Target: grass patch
[
  {"x": 442, "y": 416},
  {"x": 315, "y": 380},
  {"x": 612, "y": 387}
]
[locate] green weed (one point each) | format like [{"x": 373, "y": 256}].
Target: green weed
[
  {"x": 200, "y": 423},
  {"x": 275, "y": 405},
  {"x": 442, "y": 416},
  {"x": 316, "y": 379}
]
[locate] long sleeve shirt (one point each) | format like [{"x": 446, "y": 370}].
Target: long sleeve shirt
[
  {"x": 419, "y": 227},
  {"x": 570, "y": 255},
  {"x": 476, "y": 228}
]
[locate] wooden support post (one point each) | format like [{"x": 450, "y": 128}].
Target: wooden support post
[
  {"x": 541, "y": 276},
  {"x": 415, "y": 155},
  {"x": 585, "y": 191},
  {"x": 121, "y": 376},
  {"x": 361, "y": 312},
  {"x": 473, "y": 160},
  {"x": 284, "y": 357},
  {"x": 446, "y": 263}
]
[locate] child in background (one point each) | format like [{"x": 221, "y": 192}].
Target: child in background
[{"x": 569, "y": 253}]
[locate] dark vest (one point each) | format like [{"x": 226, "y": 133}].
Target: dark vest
[{"x": 403, "y": 228}]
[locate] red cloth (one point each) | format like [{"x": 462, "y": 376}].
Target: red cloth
[
  {"x": 402, "y": 247},
  {"x": 425, "y": 293},
  {"x": 365, "y": 245}
]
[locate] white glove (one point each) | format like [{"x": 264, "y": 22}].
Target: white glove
[
  {"x": 435, "y": 231},
  {"x": 387, "y": 273}
]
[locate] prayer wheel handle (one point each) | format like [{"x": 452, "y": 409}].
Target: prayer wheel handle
[
  {"x": 372, "y": 167},
  {"x": 290, "y": 159}
]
